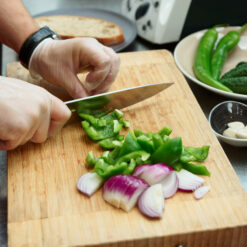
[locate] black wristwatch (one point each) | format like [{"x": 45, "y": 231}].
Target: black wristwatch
[{"x": 32, "y": 42}]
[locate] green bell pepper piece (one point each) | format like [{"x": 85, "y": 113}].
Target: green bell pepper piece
[
  {"x": 105, "y": 126},
  {"x": 96, "y": 122},
  {"x": 115, "y": 115},
  {"x": 130, "y": 145},
  {"x": 91, "y": 159},
  {"x": 177, "y": 166},
  {"x": 98, "y": 133},
  {"x": 146, "y": 143},
  {"x": 112, "y": 142},
  {"x": 124, "y": 165},
  {"x": 105, "y": 170},
  {"x": 138, "y": 132},
  {"x": 157, "y": 141},
  {"x": 131, "y": 167},
  {"x": 169, "y": 152},
  {"x": 125, "y": 123},
  {"x": 139, "y": 156},
  {"x": 165, "y": 131},
  {"x": 194, "y": 154},
  {"x": 196, "y": 169},
  {"x": 92, "y": 106}
]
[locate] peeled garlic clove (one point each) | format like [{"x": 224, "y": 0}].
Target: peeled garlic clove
[
  {"x": 236, "y": 125},
  {"x": 229, "y": 132},
  {"x": 201, "y": 192},
  {"x": 242, "y": 133}
]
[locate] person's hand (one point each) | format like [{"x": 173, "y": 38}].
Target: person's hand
[
  {"x": 28, "y": 112},
  {"x": 59, "y": 62}
]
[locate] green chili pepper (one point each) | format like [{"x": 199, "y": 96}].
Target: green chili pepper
[
  {"x": 225, "y": 45},
  {"x": 169, "y": 152},
  {"x": 202, "y": 63}
]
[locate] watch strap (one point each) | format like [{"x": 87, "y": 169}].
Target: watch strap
[{"x": 33, "y": 41}]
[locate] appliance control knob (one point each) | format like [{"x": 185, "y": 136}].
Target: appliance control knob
[
  {"x": 156, "y": 4},
  {"x": 128, "y": 6},
  {"x": 142, "y": 10}
]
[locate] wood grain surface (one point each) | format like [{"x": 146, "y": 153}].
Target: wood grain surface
[{"x": 45, "y": 208}]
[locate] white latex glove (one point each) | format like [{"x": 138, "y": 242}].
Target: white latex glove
[
  {"x": 28, "y": 112},
  {"x": 59, "y": 62}
]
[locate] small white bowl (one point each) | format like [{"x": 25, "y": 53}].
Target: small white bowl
[{"x": 222, "y": 114}]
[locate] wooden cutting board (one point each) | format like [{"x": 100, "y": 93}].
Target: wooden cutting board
[{"x": 45, "y": 208}]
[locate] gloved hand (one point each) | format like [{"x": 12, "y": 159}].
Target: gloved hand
[
  {"x": 59, "y": 62},
  {"x": 28, "y": 112}
]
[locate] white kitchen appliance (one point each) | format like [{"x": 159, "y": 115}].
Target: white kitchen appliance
[{"x": 158, "y": 21}]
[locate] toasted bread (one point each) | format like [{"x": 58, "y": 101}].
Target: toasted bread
[{"x": 68, "y": 26}]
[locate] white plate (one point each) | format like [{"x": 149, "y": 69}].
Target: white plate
[
  {"x": 185, "y": 52},
  {"x": 129, "y": 27}
]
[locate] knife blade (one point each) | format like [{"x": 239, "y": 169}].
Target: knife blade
[{"x": 117, "y": 99}]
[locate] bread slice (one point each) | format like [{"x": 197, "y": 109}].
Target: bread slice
[{"x": 68, "y": 26}]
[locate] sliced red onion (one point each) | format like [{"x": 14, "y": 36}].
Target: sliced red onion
[
  {"x": 201, "y": 192},
  {"x": 159, "y": 173},
  {"x": 151, "y": 202},
  {"x": 170, "y": 184},
  {"x": 152, "y": 174},
  {"x": 89, "y": 183},
  {"x": 122, "y": 191},
  {"x": 188, "y": 181}
]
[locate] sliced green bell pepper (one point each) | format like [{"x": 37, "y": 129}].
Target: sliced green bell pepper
[
  {"x": 130, "y": 145},
  {"x": 194, "y": 154},
  {"x": 106, "y": 170},
  {"x": 91, "y": 159},
  {"x": 169, "y": 152},
  {"x": 112, "y": 142},
  {"x": 98, "y": 133},
  {"x": 106, "y": 167},
  {"x": 196, "y": 169},
  {"x": 146, "y": 143}
]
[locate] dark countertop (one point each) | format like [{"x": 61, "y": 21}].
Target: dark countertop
[{"x": 206, "y": 99}]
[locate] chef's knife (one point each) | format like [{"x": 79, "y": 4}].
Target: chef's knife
[{"x": 116, "y": 99}]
